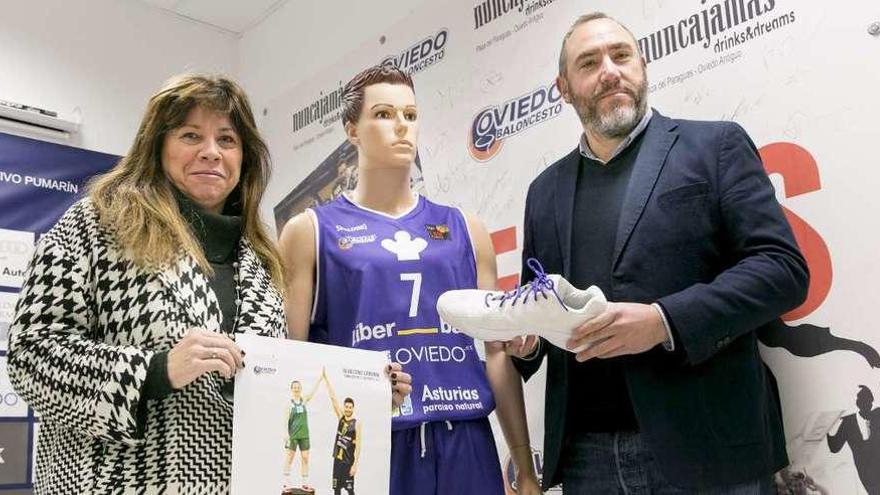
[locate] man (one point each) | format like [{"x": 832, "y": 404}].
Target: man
[
  {"x": 861, "y": 431},
  {"x": 676, "y": 221},
  {"x": 298, "y": 433},
  {"x": 347, "y": 447}
]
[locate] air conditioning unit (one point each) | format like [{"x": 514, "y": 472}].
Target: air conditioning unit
[{"x": 35, "y": 121}]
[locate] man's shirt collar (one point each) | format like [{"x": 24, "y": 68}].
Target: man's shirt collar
[{"x": 586, "y": 152}]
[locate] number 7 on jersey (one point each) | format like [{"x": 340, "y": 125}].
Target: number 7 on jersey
[{"x": 416, "y": 279}]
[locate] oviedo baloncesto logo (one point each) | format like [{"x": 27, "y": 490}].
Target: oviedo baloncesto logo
[
  {"x": 495, "y": 123},
  {"x": 327, "y": 108}
]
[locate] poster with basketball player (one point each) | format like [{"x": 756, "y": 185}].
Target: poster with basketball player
[
  {"x": 333, "y": 176},
  {"x": 310, "y": 419}
]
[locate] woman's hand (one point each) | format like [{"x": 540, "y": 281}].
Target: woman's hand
[
  {"x": 201, "y": 352},
  {"x": 401, "y": 383}
]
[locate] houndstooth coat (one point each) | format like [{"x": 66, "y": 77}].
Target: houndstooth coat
[{"x": 87, "y": 324}]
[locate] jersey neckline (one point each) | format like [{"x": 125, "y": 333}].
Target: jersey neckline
[{"x": 415, "y": 207}]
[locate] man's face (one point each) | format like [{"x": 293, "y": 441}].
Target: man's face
[
  {"x": 296, "y": 389},
  {"x": 604, "y": 78},
  {"x": 348, "y": 410}
]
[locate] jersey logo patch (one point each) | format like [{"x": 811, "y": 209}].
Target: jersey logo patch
[
  {"x": 438, "y": 232},
  {"x": 404, "y": 246},
  {"x": 346, "y": 242}
]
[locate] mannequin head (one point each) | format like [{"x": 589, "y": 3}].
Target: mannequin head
[{"x": 381, "y": 118}]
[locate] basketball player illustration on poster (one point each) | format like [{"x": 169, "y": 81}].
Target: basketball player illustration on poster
[
  {"x": 298, "y": 435},
  {"x": 347, "y": 447},
  {"x": 280, "y": 395}
]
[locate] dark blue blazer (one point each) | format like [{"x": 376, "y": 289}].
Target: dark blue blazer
[{"x": 701, "y": 233}]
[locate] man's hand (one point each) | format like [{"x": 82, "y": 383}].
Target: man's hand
[
  {"x": 522, "y": 346},
  {"x": 624, "y": 328}
]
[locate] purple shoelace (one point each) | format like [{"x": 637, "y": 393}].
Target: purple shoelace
[{"x": 539, "y": 286}]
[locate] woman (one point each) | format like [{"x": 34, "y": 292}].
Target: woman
[
  {"x": 122, "y": 341},
  {"x": 365, "y": 271}
]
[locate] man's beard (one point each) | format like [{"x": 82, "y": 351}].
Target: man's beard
[{"x": 621, "y": 119}]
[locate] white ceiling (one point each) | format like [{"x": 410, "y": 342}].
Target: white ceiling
[{"x": 232, "y": 16}]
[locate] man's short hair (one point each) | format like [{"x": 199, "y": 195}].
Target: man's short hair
[
  {"x": 864, "y": 391},
  {"x": 353, "y": 92},
  {"x": 349, "y": 400},
  {"x": 592, "y": 16}
]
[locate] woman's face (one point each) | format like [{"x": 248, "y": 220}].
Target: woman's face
[
  {"x": 387, "y": 131},
  {"x": 202, "y": 158}
]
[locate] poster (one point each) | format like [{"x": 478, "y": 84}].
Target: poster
[
  {"x": 332, "y": 177},
  {"x": 307, "y": 416},
  {"x": 38, "y": 183}
]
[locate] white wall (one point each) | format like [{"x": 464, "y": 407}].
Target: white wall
[{"x": 101, "y": 59}]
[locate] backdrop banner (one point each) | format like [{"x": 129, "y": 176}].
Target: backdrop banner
[
  {"x": 800, "y": 77},
  {"x": 38, "y": 182}
]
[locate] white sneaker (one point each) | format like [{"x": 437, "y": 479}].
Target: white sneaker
[{"x": 549, "y": 306}]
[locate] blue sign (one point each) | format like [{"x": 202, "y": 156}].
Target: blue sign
[{"x": 39, "y": 181}]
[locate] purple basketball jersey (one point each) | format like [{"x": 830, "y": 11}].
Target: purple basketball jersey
[{"x": 378, "y": 280}]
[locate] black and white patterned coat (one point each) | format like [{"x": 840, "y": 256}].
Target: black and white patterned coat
[{"x": 87, "y": 325}]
